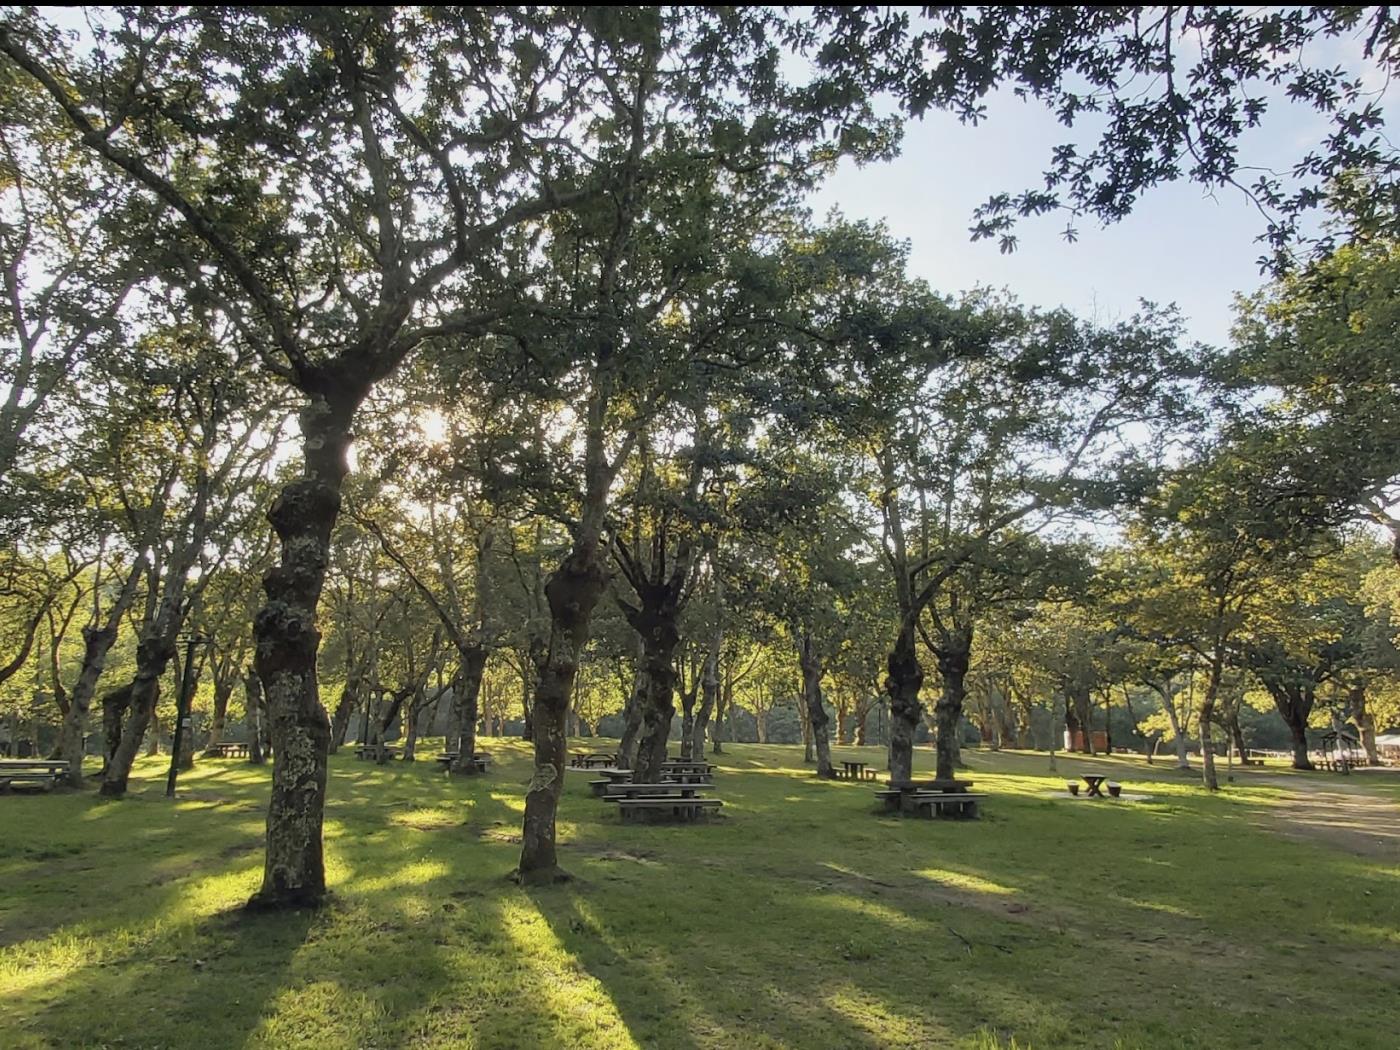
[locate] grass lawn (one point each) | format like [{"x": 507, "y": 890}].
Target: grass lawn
[{"x": 799, "y": 919}]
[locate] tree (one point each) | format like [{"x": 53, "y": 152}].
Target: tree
[{"x": 449, "y": 121}]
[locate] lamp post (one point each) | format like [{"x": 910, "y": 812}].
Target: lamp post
[{"x": 182, "y": 710}]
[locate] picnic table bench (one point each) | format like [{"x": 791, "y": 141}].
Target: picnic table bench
[
  {"x": 31, "y": 772},
  {"x": 226, "y": 749},
  {"x": 481, "y": 760},
  {"x": 914, "y": 796},
  {"x": 943, "y": 804},
  {"x": 668, "y": 800}
]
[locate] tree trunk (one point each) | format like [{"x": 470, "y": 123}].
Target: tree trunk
[
  {"x": 466, "y": 697},
  {"x": 760, "y": 717},
  {"x": 1236, "y": 733},
  {"x": 97, "y": 642},
  {"x": 252, "y": 704},
  {"x": 572, "y": 592},
  {"x": 153, "y": 655},
  {"x": 1295, "y": 704},
  {"x": 687, "y": 723},
  {"x": 709, "y": 697},
  {"x": 904, "y": 679},
  {"x": 305, "y": 512},
  {"x": 862, "y": 715},
  {"x": 1365, "y": 722},
  {"x": 658, "y": 697},
  {"x": 632, "y": 713},
  {"x": 340, "y": 721},
  {"x": 1208, "y": 776},
  {"x": 114, "y": 706},
  {"x": 724, "y": 708},
  {"x": 810, "y": 662},
  {"x": 954, "y": 657},
  {"x": 223, "y": 689}
]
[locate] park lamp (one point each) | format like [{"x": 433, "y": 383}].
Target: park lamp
[{"x": 182, "y": 706}]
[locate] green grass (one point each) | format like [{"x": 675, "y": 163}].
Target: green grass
[{"x": 800, "y": 919}]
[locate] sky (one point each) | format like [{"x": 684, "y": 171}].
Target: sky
[{"x": 1182, "y": 244}]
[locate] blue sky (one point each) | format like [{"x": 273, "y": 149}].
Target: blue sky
[{"x": 1181, "y": 245}]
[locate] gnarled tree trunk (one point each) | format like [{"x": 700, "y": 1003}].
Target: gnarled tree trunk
[
  {"x": 809, "y": 660},
  {"x": 572, "y": 592},
  {"x": 466, "y": 696},
  {"x": 904, "y": 678},
  {"x": 954, "y": 657},
  {"x": 294, "y": 873}
]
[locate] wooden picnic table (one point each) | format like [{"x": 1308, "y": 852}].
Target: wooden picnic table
[
  {"x": 592, "y": 759},
  {"x": 855, "y": 770},
  {"x": 31, "y": 772},
  {"x": 911, "y": 796},
  {"x": 372, "y": 750},
  {"x": 481, "y": 760},
  {"x": 703, "y": 767},
  {"x": 1095, "y": 782},
  {"x": 227, "y": 749},
  {"x": 57, "y": 765}
]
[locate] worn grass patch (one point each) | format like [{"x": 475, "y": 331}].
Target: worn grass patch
[{"x": 800, "y": 919}]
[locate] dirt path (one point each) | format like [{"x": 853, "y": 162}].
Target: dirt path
[{"x": 1347, "y": 817}]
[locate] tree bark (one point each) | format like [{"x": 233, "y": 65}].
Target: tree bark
[
  {"x": 709, "y": 696},
  {"x": 153, "y": 655},
  {"x": 658, "y": 697},
  {"x": 466, "y": 697},
  {"x": 1365, "y": 722},
  {"x": 305, "y": 512},
  {"x": 632, "y": 713},
  {"x": 572, "y": 593},
  {"x": 954, "y": 658},
  {"x": 114, "y": 706},
  {"x": 252, "y": 703},
  {"x": 904, "y": 679},
  {"x": 349, "y": 699},
  {"x": 97, "y": 643},
  {"x": 810, "y": 662}
]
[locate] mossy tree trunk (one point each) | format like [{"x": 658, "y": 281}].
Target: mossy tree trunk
[{"x": 287, "y": 640}]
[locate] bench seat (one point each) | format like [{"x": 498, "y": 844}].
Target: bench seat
[
  {"x": 24, "y": 778},
  {"x": 684, "y": 808}
]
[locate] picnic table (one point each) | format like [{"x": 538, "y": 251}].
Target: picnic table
[
  {"x": 1096, "y": 782},
  {"x": 372, "y": 750},
  {"x": 854, "y": 770},
  {"x": 669, "y": 800},
  {"x": 229, "y": 749},
  {"x": 930, "y": 798},
  {"x": 688, "y": 766},
  {"x": 31, "y": 772},
  {"x": 592, "y": 759},
  {"x": 480, "y": 759}
]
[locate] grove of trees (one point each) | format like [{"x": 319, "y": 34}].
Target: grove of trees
[{"x": 448, "y": 371}]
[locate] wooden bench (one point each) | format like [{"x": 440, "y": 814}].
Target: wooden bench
[
  {"x": 646, "y": 808},
  {"x": 40, "y": 773},
  {"x": 232, "y": 749},
  {"x": 1072, "y": 786},
  {"x": 944, "y": 804}
]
